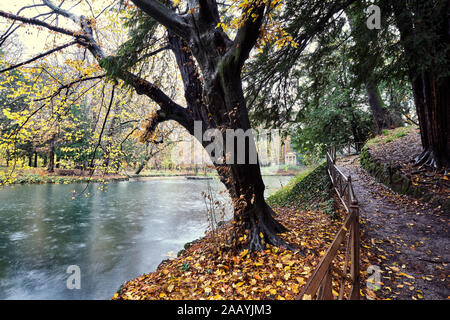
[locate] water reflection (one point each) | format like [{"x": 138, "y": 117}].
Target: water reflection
[{"x": 112, "y": 235}]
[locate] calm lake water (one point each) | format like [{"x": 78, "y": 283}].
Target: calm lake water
[{"x": 113, "y": 235}]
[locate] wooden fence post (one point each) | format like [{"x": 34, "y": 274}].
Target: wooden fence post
[
  {"x": 325, "y": 292},
  {"x": 334, "y": 154},
  {"x": 355, "y": 268}
]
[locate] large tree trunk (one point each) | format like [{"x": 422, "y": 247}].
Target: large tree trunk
[
  {"x": 428, "y": 74},
  {"x": 218, "y": 103},
  {"x": 252, "y": 216},
  {"x": 432, "y": 99}
]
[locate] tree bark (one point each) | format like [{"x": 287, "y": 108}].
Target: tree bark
[
  {"x": 432, "y": 99},
  {"x": 252, "y": 216},
  {"x": 218, "y": 103}
]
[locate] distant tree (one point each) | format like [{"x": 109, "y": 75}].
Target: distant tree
[{"x": 370, "y": 56}]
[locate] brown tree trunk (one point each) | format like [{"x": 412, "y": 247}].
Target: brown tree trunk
[
  {"x": 382, "y": 118},
  {"x": 51, "y": 156},
  {"x": 35, "y": 159},
  {"x": 140, "y": 168},
  {"x": 432, "y": 98},
  {"x": 218, "y": 103},
  {"x": 252, "y": 216}
]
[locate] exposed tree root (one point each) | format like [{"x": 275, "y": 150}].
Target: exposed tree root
[
  {"x": 262, "y": 228},
  {"x": 427, "y": 159}
]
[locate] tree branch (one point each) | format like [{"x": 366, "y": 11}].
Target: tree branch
[
  {"x": 61, "y": 11},
  {"x": 39, "y": 56},
  {"x": 247, "y": 36},
  {"x": 169, "y": 109},
  {"x": 103, "y": 128},
  {"x": 67, "y": 86},
  {"x": 36, "y": 22},
  {"x": 165, "y": 16}
]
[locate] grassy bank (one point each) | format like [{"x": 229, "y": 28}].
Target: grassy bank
[
  {"x": 309, "y": 189},
  {"x": 41, "y": 176}
]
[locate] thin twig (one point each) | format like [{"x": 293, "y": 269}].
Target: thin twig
[{"x": 39, "y": 56}]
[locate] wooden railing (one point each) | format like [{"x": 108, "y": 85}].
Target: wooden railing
[
  {"x": 345, "y": 149},
  {"x": 320, "y": 285}
]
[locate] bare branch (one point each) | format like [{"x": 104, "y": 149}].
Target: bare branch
[
  {"x": 36, "y": 22},
  {"x": 39, "y": 56},
  {"x": 60, "y": 11},
  {"x": 103, "y": 128},
  {"x": 104, "y": 9},
  {"x": 153, "y": 53},
  {"x": 67, "y": 86}
]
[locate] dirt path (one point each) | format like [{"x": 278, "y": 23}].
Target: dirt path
[{"x": 411, "y": 238}]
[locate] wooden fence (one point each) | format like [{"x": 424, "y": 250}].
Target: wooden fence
[{"x": 319, "y": 285}]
